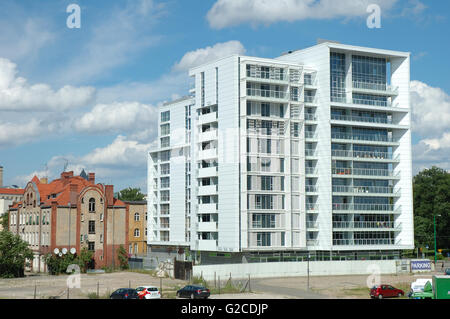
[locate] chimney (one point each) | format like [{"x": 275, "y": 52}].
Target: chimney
[
  {"x": 109, "y": 193},
  {"x": 65, "y": 177},
  {"x": 91, "y": 178},
  {"x": 44, "y": 180},
  {"x": 73, "y": 194},
  {"x": 1, "y": 176}
]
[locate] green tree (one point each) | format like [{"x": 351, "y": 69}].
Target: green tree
[
  {"x": 431, "y": 189},
  {"x": 58, "y": 265},
  {"x": 131, "y": 194},
  {"x": 14, "y": 253},
  {"x": 122, "y": 255},
  {"x": 4, "y": 220}
]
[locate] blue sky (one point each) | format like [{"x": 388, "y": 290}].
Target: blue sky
[{"x": 88, "y": 97}]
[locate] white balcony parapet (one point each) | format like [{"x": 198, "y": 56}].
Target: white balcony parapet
[
  {"x": 207, "y": 245},
  {"x": 207, "y": 190},
  {"x": 207, "y": 154},
  {"x": 207, "y": 118},
  {"x": 267, "y": 93},
  {"x": 207, "y": 172}
]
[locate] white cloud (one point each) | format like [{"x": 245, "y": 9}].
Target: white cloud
[
  {"x": 208, "y": 54},
  {"x": 430, "y": 110},
  {"x": 226, "y": 13},
  {"x": 17, "y": 95},
  {"x": 118, "y": 117}
]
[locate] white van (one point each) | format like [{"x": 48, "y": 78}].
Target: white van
[{"x": 419, "y": 284}]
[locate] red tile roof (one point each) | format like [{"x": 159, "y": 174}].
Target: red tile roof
[{"x": 12, "y": 191}]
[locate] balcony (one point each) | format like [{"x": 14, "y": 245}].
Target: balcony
[
  {"x": 310, "y": 171},
  {"x": 362, "y": 190},
  {"x": 363, "y": 137},
  {"x": 310, "y": 188},
  {"x": 312, "y": 242},
  {"x": 310, "y": 99},
  {"x": 207, "y": 118},
  {"x": 311, "y": 135},
  {"x": 266, "y": 75},
  {"x": 357, "y": 242},
  {"x": 365, "y": 119},
  {"x": 207, "y": 190},
  {"x": 207, "y": 245},
  {"x": 310, "y": 117},
  {"x": 312, "y": 208},
  {"x": 375, "y": 155},
  {"x": 372, "y": 172},
  {"x": 207, "y": 154},
  {"x": 269, "y": 94},
  {"x": 371, "y": 102},
  {"x": 365, "y": 207},
  {"x": 208, "y": 136},
  {"x": 207, "y": 208},
  {"x": 374, "y": 88},
  {"x": 207, "y": 172},
  {"x": 312, "y": 225},
  {"x": 310, "y": 152},
  {"x": 266, "y": 131},
  {"x": 207, "y": 226},
  {"x": 373, "y": 225}
]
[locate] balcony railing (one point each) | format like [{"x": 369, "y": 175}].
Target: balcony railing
[
  {"x": 374, "y": 86},
  {"x": 379, "y": 120},
  {"x": 267, "y": 93},
  {"x": 310, "y": 224},
  {"x": 310, "y": 188},
  {"x": 309, "y": 152},
  {"x": 362, "y": 137},
  {"x": 266, "y": 131},
  {"x": 309, "y": 134},
  {"x": 386, "y": 241},
  {"x": 371, "y": 102},
  {"x": 309, "y": 99},
  {"x": 363, "y": 189},
  {"x": 364, "y": 207},
  {"x": 361, "y": 154},
  {"x": 363, "y": 172},
  {"x": 311, "y": 170},
  {"x": 371, "y": 224},
  {"x": 310, "y": 117},
  {"x": 311, "y": 207},
  {"x": 258, "y": 74}
]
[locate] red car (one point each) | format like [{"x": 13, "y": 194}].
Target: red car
[{"x": 385, "y": 291}]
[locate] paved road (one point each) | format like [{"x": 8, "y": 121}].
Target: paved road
[{"x": 266, "y": 285}]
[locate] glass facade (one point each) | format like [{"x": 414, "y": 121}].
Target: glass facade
[
  {"x": 337, "y": 69},
  {"x": 368, "y": 72}
]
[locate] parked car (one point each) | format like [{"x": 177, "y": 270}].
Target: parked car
[
  {"x": 447, "y": 271},
  {"x": 385, "y": 291},
  {"x": 148, "y": 292},
  {"x": 193, "y": 292},
  {"x": 124, "y": 293}
]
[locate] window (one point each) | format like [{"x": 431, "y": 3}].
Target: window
[
  {"x": 91, "y": 246},
  {"x": 165, "y": 182},
  {"x": 136, "y": 217},
  {"x": 165, "y": 169},
  {"x": 266, "y": 183},
  {"x": 264, "y": 201},
  {"x": 137, "y": 232},
  {"x": 165, "y": 129},
  {"x": 263, "y": 239},
  {"x": 165, "y": 156},
  {"x": 165, "y": 116},
  {"x": 165, "y": 141},
  {"x": 91, "y": 205},
  {"x": 265, "y": 109},
  {"x": 92, "y": 227}
]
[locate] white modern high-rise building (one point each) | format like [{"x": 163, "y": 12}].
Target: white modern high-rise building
[{"x": 308, "y": 153}]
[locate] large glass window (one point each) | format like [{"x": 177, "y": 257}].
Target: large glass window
[
  {"x": 369, "y": 72},
  {"x": 165, "y": 116},
  {"x": 337, "y": 81},
  {"x": 263, "y": 239}
]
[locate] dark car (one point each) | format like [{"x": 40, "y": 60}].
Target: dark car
[
  {"x": 447, "y": 271},
  {"x": 193, "y": 292},
  {"x": 124, "y": 293},
  {"x": 385, "y": 291}
]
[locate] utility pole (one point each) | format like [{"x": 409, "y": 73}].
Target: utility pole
[
  {"x": 435, "y": 247},
  {"x": 308, "y": 272}
]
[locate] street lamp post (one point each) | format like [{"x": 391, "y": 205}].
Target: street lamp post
[{"x": 435, "y": 247}]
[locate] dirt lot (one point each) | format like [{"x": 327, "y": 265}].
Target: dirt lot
[{"x": 273, "y": 288}]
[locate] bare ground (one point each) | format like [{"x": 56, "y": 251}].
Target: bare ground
[{"x": 271, "y": 288}]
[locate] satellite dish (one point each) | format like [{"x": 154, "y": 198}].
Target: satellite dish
[
  {"x": 64, "y": 251},
  {"x": 56, "y": 251},
  {"x": 73, "y": 251},
  {"x": 60, "y": 254}
]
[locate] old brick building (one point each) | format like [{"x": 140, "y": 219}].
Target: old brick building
[
  {"x": 137, "y": 227},
  {"x": 71, "y": 213}
]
